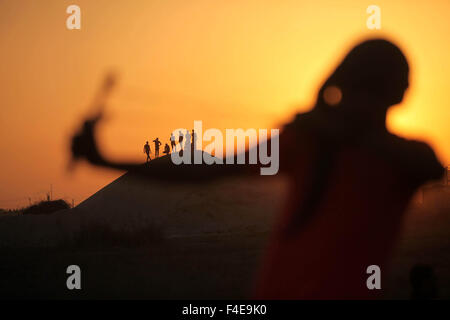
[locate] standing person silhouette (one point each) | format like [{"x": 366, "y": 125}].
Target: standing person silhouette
[
  {"x": 350, "y": 180},
  {"x": 147, "y": 151},
  {"x": 157, "y": 144},
  {"x": 194, "y": 140},
  {"x": 172, "y": 142},
  {"x": 187, "y": 144},
  {"x": 180, "y": 139}
]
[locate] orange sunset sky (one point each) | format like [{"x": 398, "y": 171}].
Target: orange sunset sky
[{"x": 232, "y": 64}]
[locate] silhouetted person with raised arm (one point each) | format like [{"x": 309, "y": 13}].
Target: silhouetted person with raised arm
[
  {"x": 157, "y": 144},
  {"x": 172, "y": 142},
  {"x": 180, "y": 139},
  {"x": 147, "y": 151},
  {"x": 350, "y": 180},
  {"x": 166, "y": 149}
]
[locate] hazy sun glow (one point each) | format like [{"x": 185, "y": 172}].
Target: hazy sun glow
[{"x": 232, "y": 64}]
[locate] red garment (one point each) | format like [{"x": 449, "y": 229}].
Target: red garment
[{"x": 355, "y": 223}]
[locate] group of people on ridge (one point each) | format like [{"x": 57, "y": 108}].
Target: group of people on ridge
[{"x": 187, "y": 137}]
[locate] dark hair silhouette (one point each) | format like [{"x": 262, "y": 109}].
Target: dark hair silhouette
[
  {"x": 374, "y": 69},
  {"x": 372, "y": 77}
]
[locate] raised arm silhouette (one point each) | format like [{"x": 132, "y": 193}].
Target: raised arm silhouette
[{"x": 350, "y": 179}]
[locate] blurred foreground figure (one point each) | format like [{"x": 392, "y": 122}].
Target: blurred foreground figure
[{"x": 350, "y": 180}]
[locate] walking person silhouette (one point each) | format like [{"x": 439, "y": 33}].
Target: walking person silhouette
[
  {"x": 350, "y": 180},
  {"x": 157, "y": 144},
  {"x": 147, "y": 151}
]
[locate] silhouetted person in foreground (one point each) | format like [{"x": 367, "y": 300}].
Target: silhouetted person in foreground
[
  {"x": 157, "y": 144},
  {"x": 166, "y": 149},
  {"x": 350, "y": 180},
  {"x": 147, "y": 151},
  {"x": 172, "y": 142},
  {"x": 423, "y": 282}
]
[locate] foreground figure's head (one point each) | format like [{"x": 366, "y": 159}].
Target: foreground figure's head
[{"x": 373, "y": 74}]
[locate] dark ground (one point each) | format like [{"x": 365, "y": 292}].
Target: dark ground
[
  {"x": 221, "y": 266},
  {"x": 213, "y": 267}
]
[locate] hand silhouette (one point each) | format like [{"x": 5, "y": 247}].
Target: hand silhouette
[{"x": 83, "y": 143}]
